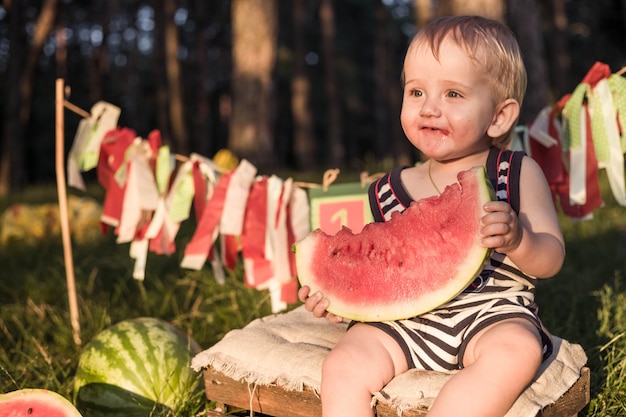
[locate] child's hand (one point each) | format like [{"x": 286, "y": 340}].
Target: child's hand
[
  {"x": 316, "y": 304},
  {"x": 500, "y": 229}
]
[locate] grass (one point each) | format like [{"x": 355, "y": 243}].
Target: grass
[
  {"x": 36, "y": 343},
  {"x": 585, "y": 303}
]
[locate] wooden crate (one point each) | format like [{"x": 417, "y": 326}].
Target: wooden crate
[{"x": 274, "y": 401}]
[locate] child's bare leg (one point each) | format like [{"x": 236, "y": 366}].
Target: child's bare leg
[
  {"x": 364, "y": 360},
  {"x": 499, "y": 363}
]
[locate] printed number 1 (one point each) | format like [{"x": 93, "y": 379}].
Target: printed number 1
[
  {"x": 339, "y": 218},
  {"x": 333, "y": 215}
]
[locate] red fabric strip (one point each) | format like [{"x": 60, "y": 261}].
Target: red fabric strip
[
  {"x": 202, "y": 241},
  {"x": 257, "y": 269},
  {"x": 112, "y": 149}
]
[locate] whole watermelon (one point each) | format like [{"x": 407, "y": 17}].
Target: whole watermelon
[{"x": 138, "y": 367}]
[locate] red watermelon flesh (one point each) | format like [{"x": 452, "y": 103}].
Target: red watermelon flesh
[
  {"x": 35, "y": 402},
  {"x": 417, "y": 261}
]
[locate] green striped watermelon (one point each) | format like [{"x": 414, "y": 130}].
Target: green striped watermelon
[
  {"x": 36, "y": 402},
  {"x": 138, "y": 367},
  {"x": 415, "y": 262}
]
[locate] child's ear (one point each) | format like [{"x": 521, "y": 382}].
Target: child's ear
[{"x": 506, "y": 114}]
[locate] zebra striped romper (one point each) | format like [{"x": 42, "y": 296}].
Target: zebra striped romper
[{"x": 437, "y": 340}]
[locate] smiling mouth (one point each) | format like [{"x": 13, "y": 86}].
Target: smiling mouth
[
  {"x": 432, "y": 129},
  {"x": 442, "y": 134}
]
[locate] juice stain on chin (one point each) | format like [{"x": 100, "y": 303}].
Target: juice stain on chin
[{"x": 439, "y": 141}]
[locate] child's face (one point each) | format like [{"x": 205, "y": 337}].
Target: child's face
[{"x": 448, "y": 105}]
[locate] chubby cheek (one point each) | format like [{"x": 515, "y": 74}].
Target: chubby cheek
[{"x": 409, "y": 125}]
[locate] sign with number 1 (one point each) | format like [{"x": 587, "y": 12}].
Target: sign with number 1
[{"x": 342, "y": 205}]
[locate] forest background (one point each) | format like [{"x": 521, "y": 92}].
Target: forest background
[
  {"x": 297, "y": 85},
  {"x": 300, "y": 85}
]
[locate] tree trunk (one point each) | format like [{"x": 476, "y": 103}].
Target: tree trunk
[
  {"x": 254, "y": 58},
  {"x": 12, "y": 160},
  {"x": 163, "y": 122},
  {"x": 175, "y": 92},
  {"x": 200, "y": 137},
  {"x": 404, "y": 153},
  {"x": 560, "y": 61},
  {"x": 493, "y": 9},
  {"x": 424, "y": 12},
  {"x": 43, "y": 28},
  {"x": 525, "y": 20},
  {"x": 382, "y": 63},
  {"x": 304, "y": 139},
  {"x": 333, "y": 96},
  {"x": 20, "y": 84},
  {"x": 99, "y": 68}
]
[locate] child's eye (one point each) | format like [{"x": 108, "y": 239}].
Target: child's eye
[
  {"x": 415, "y": 93},
  {"x": 454, "y": 94}
]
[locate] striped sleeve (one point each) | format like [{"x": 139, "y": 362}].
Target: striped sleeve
[
  {"x": 387, "y": 195},
  {"x": 374, "y": 195},
  {"x": 503, "y": 169}
]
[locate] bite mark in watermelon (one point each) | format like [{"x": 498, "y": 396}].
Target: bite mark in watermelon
[
  {"x": 417, "y": 261},
  {"x": 138, "y": 367},
  {"x": 36, "y": 402}
]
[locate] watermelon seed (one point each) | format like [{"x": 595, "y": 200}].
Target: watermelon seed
[{"x": 30, "y": 410}]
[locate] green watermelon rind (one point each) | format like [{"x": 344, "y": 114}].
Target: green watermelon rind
[
  {"x": 468, "y": 270},
  {"x": 105, "y": 400},
  {"x": 130, "y": 358},
  {"x": 11, "y": 403}
]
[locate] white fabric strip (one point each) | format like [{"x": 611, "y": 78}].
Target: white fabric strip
[
  {"x": 85, "y": 150},
  {"x": 539, "y": 128},
  {"x": 236, "y": 198},
  {"x": 299, "y": 211},
  {"x": 615, "y": 163},
  {"x": 578, "y": 164},
  {"x": 139, "y": 252}
]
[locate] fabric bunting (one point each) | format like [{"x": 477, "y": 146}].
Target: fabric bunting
[
  {"x": 85, "y": 151},
  {"x": 231, "y": 225},
  {"x": 199, "y": 248},
  {"x": 140, "y": 192},
  {"x": 257, "y": 267},
  {"x": 242, "y": 216},
  {"x": 111, "y": 158},
  {"x": 230, "y": 193},
  {"x": 617, "y": 85},
  {"x": 279, "y": 194},
  {"x": 298, "y": 223},
  {"x": 148, "y": 195},
  {"x": 581, "y": 134},
  {"x": 173, "y": 209}
]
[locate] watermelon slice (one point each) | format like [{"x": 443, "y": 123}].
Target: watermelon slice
[
  {"x": 417, "y": 261},
  {"x": 35, "y": 402}
]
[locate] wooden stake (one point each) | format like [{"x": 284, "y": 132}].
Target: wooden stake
[{"x": 63, "y": 211}]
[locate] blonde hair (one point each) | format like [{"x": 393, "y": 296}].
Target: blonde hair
[{"x": 492, "y": 45}]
